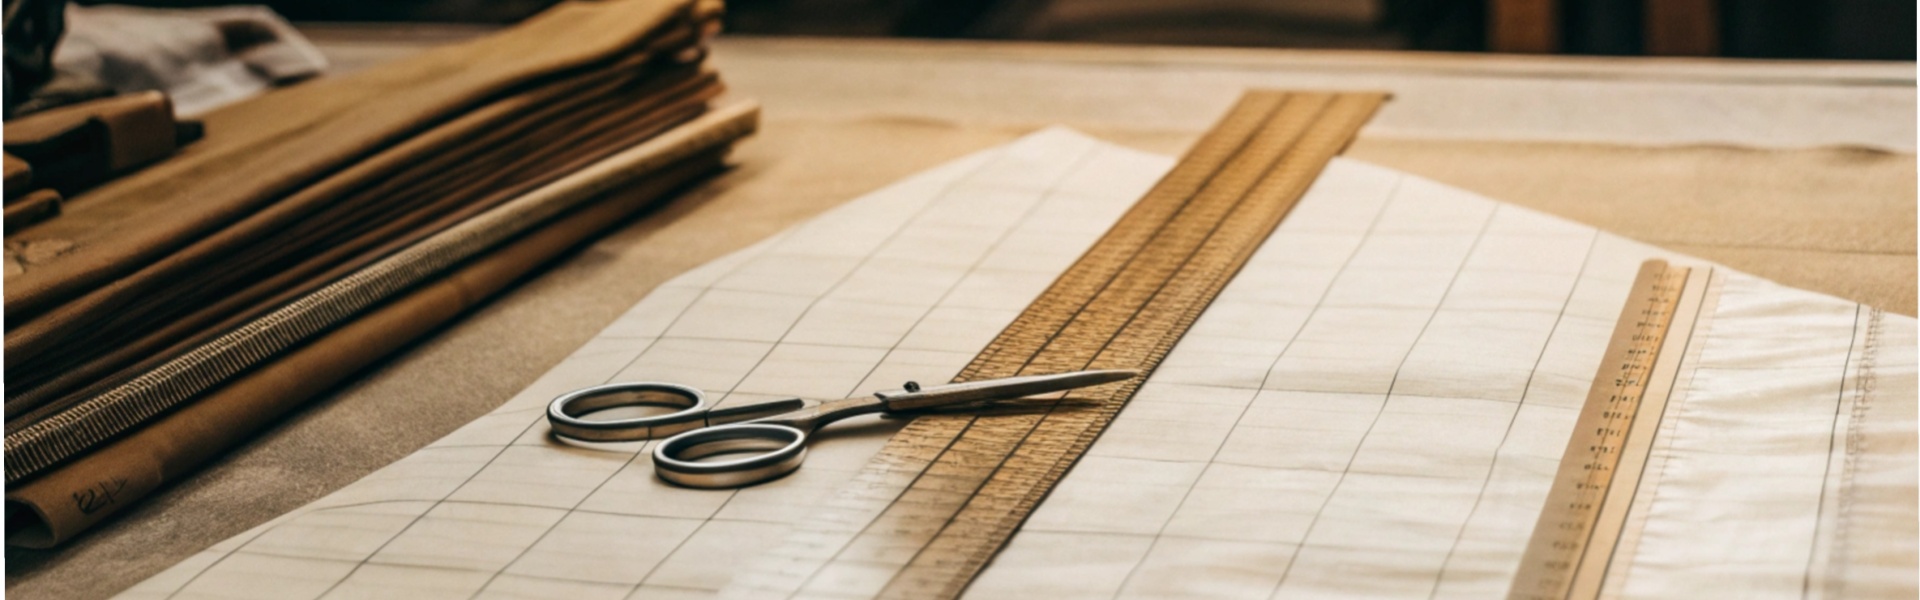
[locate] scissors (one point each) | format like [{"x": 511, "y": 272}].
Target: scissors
[{"x": 772, "y": 435}]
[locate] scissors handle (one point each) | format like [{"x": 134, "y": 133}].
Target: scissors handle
[
  {"x": 768, "y": 450},
  {"x": 762, "y": 449},
  {"x": 564, "y": 414}
]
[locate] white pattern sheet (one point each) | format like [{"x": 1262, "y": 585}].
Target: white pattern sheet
[{"x": 1372, "y": 408}]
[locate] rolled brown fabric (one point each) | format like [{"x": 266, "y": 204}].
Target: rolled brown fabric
[
  {"x": 261, "y": 150},
  {"x": 56, "y": 505}
]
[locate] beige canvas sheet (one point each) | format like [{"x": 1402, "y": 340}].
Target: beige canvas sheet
[{"x": 1371, "y": 408}]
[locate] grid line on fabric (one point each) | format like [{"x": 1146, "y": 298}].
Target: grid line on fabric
[
  {"x": 1865, "y": 382},
  {"x": 1661, "y": 511},
  {"x": 1494, "y": 464},
  {"x": 502, "y": 450},
  {"x": 1045, "y": 193},
  {"x": 1131, "y": 573},
  {"x": 1306, "y": 538},
  {"x": 789, "y": 330},
  {"x": 814, "y": 302},
  {"x": 1833, "y": 442},
  {"x": 1049, "y": 190},
  {"x": 1159, "y": 287},
  {"x": 1472, "y": 547},
  {"x": 1206, "y": 179},
  {"x": 836, "y": 554},
  {"x": 396, "y": 535},
  {"x": 1160, "y": 524},
  {"x": 1085, "y": 152}
]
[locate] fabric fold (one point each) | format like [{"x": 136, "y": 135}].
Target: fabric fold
[
  {"x": 259, "y": 150},
  {"x": 310, "y": 239},
  {"x": 68, "y": 500}
]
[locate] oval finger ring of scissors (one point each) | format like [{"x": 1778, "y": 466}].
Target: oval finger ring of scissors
[{"x": 708, "y": 447}]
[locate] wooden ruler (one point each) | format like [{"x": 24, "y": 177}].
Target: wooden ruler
[
  {"x": 1586, "y": 509},
  {"x": 946, "y": 492}
]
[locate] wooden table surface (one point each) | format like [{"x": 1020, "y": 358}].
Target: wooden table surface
[
  {"x": 1660, "y": 101},
  {"x": 1781, "y": 168},
  {"x": 1802, "y": 172}
]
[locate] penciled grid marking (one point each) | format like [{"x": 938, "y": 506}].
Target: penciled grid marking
[
  {"x": 1378, "y": 412},
  {"x": 1294, "y": 379},
  {"x": 1372, "y": 408},
  {"x": 904, "y": 284}
]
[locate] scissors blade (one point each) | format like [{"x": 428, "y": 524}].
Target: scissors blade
[{"x": 993, "y": 389}]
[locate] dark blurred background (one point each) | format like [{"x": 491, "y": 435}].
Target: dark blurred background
[{"x": 1841, "y": 29}]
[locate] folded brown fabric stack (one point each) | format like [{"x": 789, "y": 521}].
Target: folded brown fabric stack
[{"x": 165, "y": 314}]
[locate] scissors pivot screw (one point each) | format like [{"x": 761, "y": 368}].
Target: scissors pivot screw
[{"x": 911, "y": 386}]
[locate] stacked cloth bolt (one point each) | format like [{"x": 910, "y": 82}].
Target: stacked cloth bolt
[{"x": 166, "y": 314}]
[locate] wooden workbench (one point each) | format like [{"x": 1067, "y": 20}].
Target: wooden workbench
[{"x": 1801, "y": 172}]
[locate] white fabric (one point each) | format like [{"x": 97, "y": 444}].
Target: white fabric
[
  {"x": 1372, "y": 408},
  {"x": 203, "y": 58}
]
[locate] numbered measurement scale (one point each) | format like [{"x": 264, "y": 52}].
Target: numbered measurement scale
[{"x": 1583, "y": 521}]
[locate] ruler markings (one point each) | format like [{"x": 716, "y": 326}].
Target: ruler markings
[
  {"x": 1079, "y": 344},
  {"x": 948, "y": 491},
  {"x": 1610, "y": 532},
  {"x": 992, "y": 513},
  {"x": 937, "y": 490},
  {"x": 1582, "y": 522}
]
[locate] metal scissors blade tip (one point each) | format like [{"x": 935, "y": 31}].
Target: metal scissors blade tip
[{"x": 995, "y": 389}]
